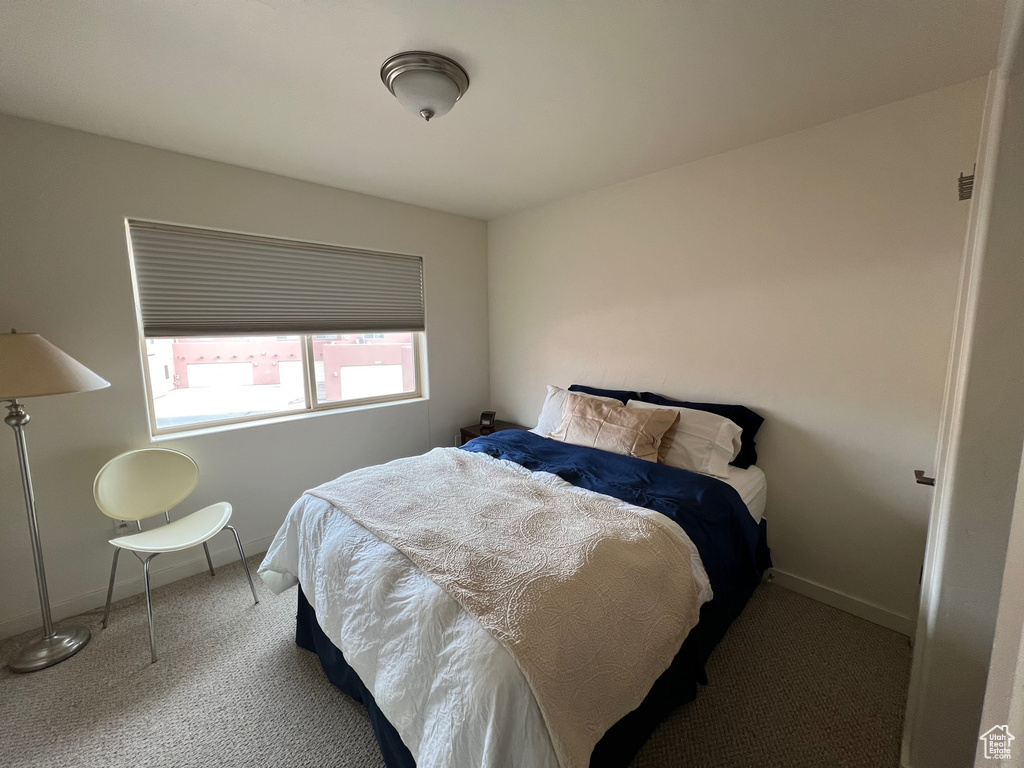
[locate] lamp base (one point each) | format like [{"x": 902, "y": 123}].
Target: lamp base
[{"x": 47, "y": 651}]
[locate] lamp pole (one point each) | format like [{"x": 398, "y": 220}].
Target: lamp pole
[{"x": 53, "y": 647}]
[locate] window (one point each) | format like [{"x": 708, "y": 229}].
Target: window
[
  {"x": 238, "y": 327},
  {"x": 351, "y": 368}
]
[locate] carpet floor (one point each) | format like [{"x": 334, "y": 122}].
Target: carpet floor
[{"x": 794, "y": 683}]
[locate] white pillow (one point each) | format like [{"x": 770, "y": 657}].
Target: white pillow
[
  {"x": 554, "y": 404},
  {"x": 699, "y": 441}
]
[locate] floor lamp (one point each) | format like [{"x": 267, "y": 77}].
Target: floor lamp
[{"x": 30, "y": 366}]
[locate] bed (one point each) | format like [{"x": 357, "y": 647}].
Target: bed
[{"x": 440, "y": 689}]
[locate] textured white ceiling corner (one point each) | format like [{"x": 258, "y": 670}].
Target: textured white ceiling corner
[{"x": 565, "y": 96}]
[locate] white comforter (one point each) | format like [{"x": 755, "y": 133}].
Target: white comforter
[{"x": 453, "y": 692}]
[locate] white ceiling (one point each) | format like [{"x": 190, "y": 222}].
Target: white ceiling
[{"x": 565, "y": 95}]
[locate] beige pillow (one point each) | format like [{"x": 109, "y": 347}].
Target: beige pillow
[
  {"x": 614, "y": 428},
  {"x": 699, "y": 441}
]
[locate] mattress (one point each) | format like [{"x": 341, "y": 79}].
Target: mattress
[{"x": 752, "y": 488}]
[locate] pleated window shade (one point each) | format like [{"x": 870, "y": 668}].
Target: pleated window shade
[{"x": 199, "y": 282}]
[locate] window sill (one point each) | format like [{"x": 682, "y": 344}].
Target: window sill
[{"x": 200, "y": 430}]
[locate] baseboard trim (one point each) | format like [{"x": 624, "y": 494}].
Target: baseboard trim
[
  {"x": 126, "y": 588},
  {"x": 865, "y": 610}
]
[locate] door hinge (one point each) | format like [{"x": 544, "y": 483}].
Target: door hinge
[{"x": 920, "y": 477}]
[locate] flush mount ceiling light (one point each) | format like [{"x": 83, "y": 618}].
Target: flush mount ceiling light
[{"x": 427, "y": 84}]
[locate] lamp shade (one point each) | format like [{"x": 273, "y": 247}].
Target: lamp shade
[{"x": 30, "y": 366}]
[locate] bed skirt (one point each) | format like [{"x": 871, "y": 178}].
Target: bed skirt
[{"x": 676, "y": 686}]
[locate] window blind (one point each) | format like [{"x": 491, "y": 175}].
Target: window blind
[{"x": 199, "y": 282}]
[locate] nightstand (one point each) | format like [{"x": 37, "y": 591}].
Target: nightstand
[{"x": 475, "y": 430}]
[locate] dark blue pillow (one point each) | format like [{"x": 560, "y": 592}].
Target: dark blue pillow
[
  {"x": 742, "y": 416},
  {"x": 619, "y": 394}
]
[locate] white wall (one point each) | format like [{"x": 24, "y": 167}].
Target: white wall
[
  {"x": 63, "y": 199},
  {"x": 812, "y": 277}
]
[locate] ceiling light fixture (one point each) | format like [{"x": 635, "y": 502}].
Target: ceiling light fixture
[{"x": 427, "y": 84}]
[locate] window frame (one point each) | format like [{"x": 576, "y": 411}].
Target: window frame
[
  {"x": 312, "y": 407},
  {"x": 309, "y": 389}
]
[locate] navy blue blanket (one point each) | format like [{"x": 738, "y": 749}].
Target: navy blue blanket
[{"x": 732, "y": 547}]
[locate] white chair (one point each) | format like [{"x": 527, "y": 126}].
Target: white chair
[{"x": 148, "y": 482}]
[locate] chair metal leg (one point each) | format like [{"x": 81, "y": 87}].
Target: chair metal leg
[
  {"x": 149, "y": 608},
  {"x": 209, "y": 561},
  {"x": 245, "y": 565},
  {"x": 110, "y": 588}
]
